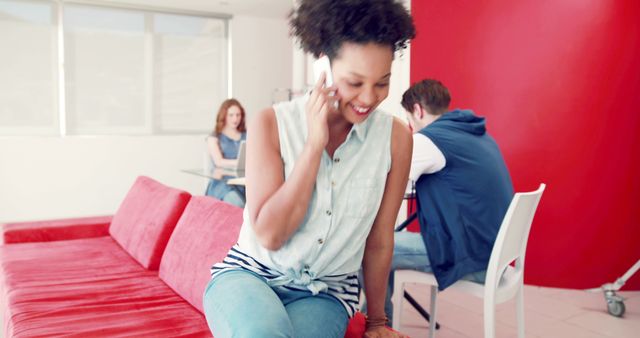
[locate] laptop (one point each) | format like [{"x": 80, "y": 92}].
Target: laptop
[{"x": 242, "y": 158}]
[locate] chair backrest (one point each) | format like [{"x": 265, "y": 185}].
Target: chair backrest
[{"x": 511, "y": 242}]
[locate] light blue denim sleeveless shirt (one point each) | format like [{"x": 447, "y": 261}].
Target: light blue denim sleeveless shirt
[{"x": 346, "y": 197}]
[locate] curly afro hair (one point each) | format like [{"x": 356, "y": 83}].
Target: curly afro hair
[{"x": 322, "y": 26}]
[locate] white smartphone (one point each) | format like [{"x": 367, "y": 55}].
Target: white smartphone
[{"x": 323, "y": 65}]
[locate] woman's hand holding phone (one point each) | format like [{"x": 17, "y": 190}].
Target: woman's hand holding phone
[{"x": 320, "y": 103}]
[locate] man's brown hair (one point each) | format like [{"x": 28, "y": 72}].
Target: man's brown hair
[{"x": 430, "y": 94}]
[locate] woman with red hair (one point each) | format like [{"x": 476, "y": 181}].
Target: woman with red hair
[{"x": 222, "y": 145}]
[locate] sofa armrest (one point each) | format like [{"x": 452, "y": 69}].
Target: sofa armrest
[{"x": 55, "y": 230}]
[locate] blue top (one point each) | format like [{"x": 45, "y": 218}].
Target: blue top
[
  {"x": 229, "y": 146},
  {"x": 461, "y": 207}
]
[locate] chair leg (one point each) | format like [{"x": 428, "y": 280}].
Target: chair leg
[
  {"x": 396, "y": 299},
  {"x": 432, "y": 322},
  {"x": 489, "y": 317},
  {"x": 419, "y": 308},
  {"x": 520, "y": 311}
]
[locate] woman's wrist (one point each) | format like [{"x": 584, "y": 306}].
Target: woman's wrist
[
  {"x": 376, "y": 321},
  {"x": 314, "y": 149}
]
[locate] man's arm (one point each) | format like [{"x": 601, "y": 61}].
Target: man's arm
[{"x": 426, "y": 157}]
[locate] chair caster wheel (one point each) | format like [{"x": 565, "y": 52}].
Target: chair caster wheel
[{"x": 615, "y": 304}]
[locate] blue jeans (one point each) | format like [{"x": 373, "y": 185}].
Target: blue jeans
[
  {"x": 410, "y": 253},
  {"x": 221, "y": 190},
  {"x": 239, "y": 303}
]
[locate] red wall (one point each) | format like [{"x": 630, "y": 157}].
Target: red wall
[{"x": 559, "y": 83}]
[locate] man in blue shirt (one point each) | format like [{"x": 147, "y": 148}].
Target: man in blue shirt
[{"x": 463, "y": 190}]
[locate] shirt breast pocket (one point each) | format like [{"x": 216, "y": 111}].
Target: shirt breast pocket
[{"x": 364, "y": 197}]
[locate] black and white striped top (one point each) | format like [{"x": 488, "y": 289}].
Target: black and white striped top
[{"x": 345, "y": 288}]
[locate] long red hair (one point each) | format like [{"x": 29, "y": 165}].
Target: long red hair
[{"x": 221, "y": 119}]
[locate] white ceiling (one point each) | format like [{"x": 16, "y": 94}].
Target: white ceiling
[{"x": 260, "y": 8}]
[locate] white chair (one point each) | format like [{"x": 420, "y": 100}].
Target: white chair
[{"x": 510, "y": 245}]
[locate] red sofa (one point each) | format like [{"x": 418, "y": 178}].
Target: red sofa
[{"x": 140, "y": 273}]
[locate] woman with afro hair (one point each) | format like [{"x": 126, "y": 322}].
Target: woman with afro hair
[{"x": 325, "y": 177}]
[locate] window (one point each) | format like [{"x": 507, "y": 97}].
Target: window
[
  {"x": 104, "y": 52},
  {"x": 189, "y": 71},
  {"x": 28, "y": 63},
  {"x": 125, "y": 71}
]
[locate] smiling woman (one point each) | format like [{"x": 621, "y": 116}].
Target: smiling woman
[{"x": 324, "y": 185}]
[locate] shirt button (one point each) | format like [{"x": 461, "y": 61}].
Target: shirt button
[
  {"x": 337, "y": 159},
  {"x": 320, "y": 241},
  {"x": 329, "y": 212},
  {"x": 333, "y": 183},
  {"x": 306, "y": 267}
]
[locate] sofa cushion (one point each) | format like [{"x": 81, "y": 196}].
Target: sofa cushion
[
  {"x": 147, "y": 216},
  {"x": 206, "y": 231},
  {"x": 88, "y": 288}
]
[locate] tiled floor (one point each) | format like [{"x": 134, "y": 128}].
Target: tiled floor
[{"x": 549, "y": 313}]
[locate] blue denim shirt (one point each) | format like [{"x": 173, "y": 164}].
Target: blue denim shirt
[{"x": 229, "y": 146}]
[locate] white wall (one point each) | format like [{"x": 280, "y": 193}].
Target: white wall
[
  {"x": 59, "y": 177},
  {"x": 262, "y": 60},
  {"x": 399, "y": 83},
  {"x": 54, "y": 177}
]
